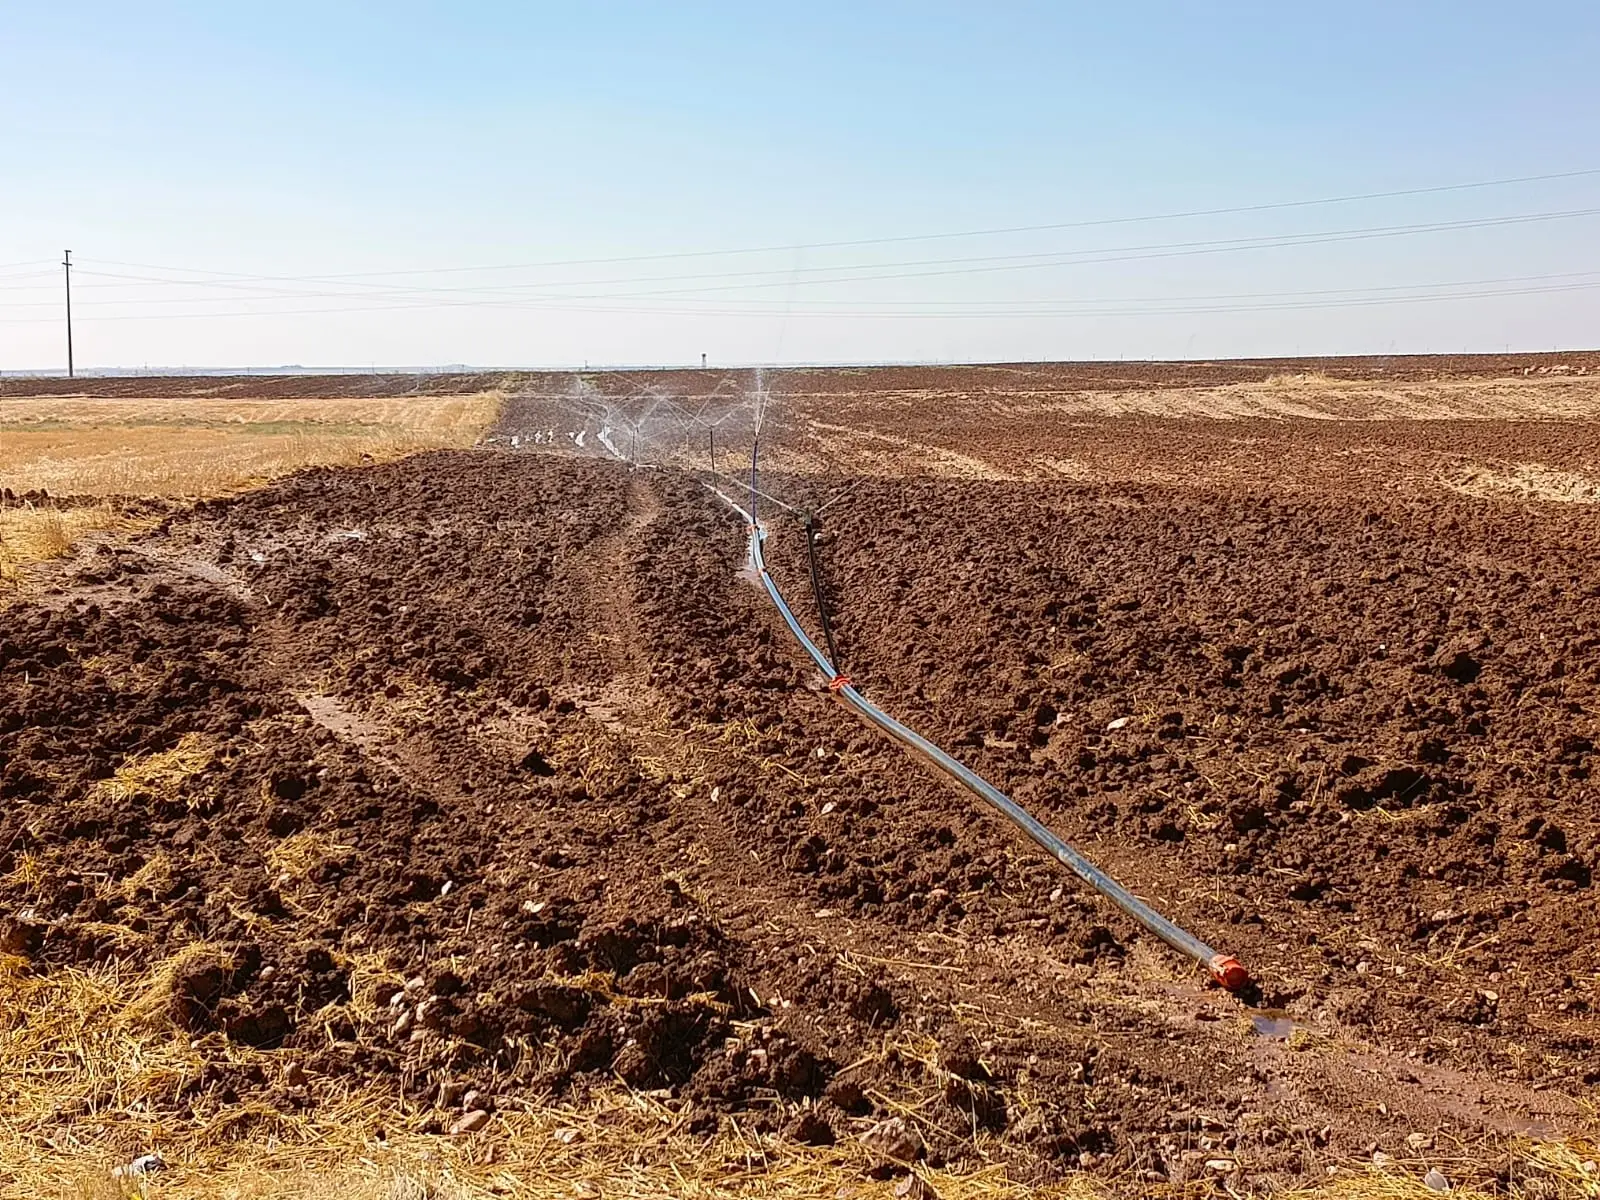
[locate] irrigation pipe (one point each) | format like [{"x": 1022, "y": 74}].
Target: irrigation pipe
[
  {"x": 1224, "y": 968},
  {"x": 816, "y": 589},
  {"x": 745, "y": 484}
]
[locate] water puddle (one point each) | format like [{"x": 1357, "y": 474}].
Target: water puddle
[{"x": 1273, "y": 1024}]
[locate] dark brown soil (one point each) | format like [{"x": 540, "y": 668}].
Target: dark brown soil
[
  {"x": 513, "y": 727},
  {"x": 1356, "y": 733},
  {"x": 1110, "y": 376}
]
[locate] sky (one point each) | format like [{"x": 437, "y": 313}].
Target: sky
[{"x": 530, "y": 184}]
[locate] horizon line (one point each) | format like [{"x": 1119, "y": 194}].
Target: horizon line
[{"x": 293, "y": 369}]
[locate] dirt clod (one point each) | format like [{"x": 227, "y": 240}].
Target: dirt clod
[{"x": 893, "y": 1139}]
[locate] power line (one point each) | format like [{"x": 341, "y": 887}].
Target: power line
[
  {"x": 541, "y": 297},
  {"x": 555, "y": 306},
  {"x": 948, "y": 267},
  {"x": 8, "y": 286},
  {"x": 1004, "y": 307},
  {"x": 983, "y": 263},
  {"x": 946, "y": 236},
  {"x": 1171, "y": 250}
]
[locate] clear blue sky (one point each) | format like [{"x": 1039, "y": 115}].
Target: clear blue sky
[{"x": 256, "y": 150}]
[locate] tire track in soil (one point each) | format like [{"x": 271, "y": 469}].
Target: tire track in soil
[
  {"x": 751, "y": 895},
  {"x": 749, "y": 901},
  {"x": 621, "y": 698},
  {"x": 289, "y": 665},
  {"x": 294, "y": 667}
]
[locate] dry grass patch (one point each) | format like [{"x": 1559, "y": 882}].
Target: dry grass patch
[
  {"x": 90, "y": 1064},
  {"x": 297, "y": 855},
  {"x": 189, "y": 449},
  {"x": 1539, "y": 1170},
  {"x": 1300, "y": 379},
  {"x": 31, "y": 533},
  {"x": 1527, "y": 481},
  {"x": 192, "y": 448},
  {"x": 162, "y": 773}
]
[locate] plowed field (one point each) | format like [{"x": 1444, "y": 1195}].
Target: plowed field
[{"x": 491, "y": 771}]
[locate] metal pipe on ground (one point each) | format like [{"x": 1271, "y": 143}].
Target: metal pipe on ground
[{"x": 1224, "y": 968}]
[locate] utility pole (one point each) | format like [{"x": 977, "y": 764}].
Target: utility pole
[{"x": 67, "y": 264}]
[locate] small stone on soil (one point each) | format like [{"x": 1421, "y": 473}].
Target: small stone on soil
[{"x": 471, "y": 1122}]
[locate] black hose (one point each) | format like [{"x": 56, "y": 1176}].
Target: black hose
[
  {"x": 755, "y": 449},
  {"x": 816, "y": 589}
]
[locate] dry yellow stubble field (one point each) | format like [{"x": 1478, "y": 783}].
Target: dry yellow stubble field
[{"x": 92, "y": 454}]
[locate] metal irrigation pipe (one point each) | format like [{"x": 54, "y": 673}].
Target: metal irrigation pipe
[
  {"x": 1224, "y": 968},
  {"x": 745, "y": 485}
]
